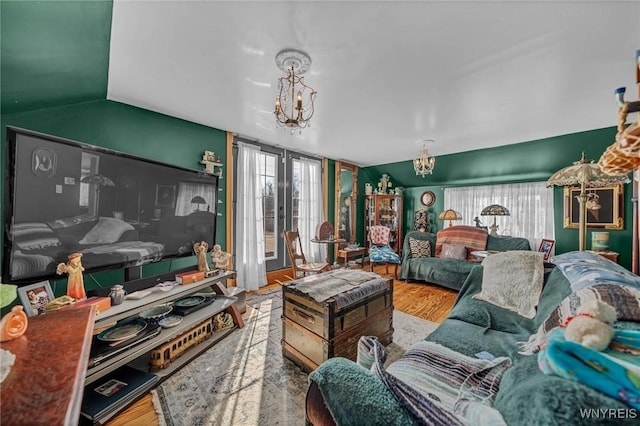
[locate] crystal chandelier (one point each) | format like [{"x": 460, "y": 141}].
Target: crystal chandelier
[
  {"x": 294, "y": 104},
  {"x": 424, "y": 164}
]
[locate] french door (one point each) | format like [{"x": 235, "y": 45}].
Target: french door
[{"x": 278, "y": 172}]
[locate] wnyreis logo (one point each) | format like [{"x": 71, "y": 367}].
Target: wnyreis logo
[{"x": 608, "y": 413}]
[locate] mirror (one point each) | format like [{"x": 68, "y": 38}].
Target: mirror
[{"x": 345, "y": 203}]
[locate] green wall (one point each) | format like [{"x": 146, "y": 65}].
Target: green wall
[
  {"x": 523, "y": 162},
  {"x": 53, "y": 53},
  {"x": 135, "y": 131}
]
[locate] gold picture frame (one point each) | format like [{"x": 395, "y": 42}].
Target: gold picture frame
[{"x": 604, "y": 207}]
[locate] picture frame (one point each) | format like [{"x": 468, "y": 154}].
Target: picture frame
[
  {"x": 118, "y": 215},
  {"x": 604, "y": 207},
  {"x": 35, "y": 297},
  {"x": 44, "y": 162},
  {"x": 165, "y": 195},
  {"x": 546, "y": 246}
]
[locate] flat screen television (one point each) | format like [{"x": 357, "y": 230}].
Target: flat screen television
[{"x": 118, "y": 210}]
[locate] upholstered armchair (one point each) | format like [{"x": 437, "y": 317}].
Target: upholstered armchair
[{"x": 379, "y": 249}]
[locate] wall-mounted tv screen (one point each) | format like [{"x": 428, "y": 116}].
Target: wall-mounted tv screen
[{"x": 118, "y": 210}]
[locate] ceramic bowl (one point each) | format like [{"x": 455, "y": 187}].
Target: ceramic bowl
[{"x": 155, "y": 314}]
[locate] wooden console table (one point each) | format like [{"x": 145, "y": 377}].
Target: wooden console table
[{"x": 46, "y": 381}]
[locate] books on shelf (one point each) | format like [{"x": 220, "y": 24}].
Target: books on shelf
[{"x": 107, "y": 396}]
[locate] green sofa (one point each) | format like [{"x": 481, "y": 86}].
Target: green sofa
[
  {"x": 450, "y": 273},
  {"x": 342, "y": 392}
]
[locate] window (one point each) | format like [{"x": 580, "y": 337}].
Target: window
[
  {"x": 267, "y": 172},
  {"x": 530, "y": 205}
]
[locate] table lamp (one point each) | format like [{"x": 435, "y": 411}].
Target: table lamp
[
  {"x": 495, "y": 210},
  {"x": 450, "y": 215}
]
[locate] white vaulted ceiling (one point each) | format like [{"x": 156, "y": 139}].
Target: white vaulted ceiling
[{"x": 469, "y": 74}]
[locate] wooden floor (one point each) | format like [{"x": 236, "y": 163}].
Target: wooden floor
[{"x": 426, "y": 301}]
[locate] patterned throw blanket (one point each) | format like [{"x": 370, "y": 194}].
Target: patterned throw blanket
[
  {"x": 624, "y": 299},
  {"x": 345, "y": 285},
  {"x": 439, "y": 386},
  {"x": 614, "y": 372}
]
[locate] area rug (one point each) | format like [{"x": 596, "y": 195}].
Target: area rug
[{"x": 245, "y": 380}]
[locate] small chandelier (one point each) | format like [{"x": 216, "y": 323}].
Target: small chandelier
[
  {"x": 423, "y": 165},
  {"x": 294, "y": 104}
]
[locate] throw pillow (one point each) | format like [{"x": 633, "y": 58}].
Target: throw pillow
[
  {"x": 34, "y": 236},
  {"x": 419, "y": 248},
  {"x": 453, "y": 251},
  {"x": 513, "y": 280},
  {"x": 108, "y": 230},
  {"x": 474, "y": 239}
]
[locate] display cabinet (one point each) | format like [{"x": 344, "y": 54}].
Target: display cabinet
[{"x": 385, "y": 210}]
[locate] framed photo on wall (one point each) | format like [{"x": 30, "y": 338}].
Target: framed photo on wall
[
  {"x": 546, "y": 247},
  {"x": 604, "y": 207},
  {"x": 35, "y": 297},
  {"x": 165, "y": 195}
]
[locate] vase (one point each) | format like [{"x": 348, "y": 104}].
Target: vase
[{"x": 13, "y": 324}]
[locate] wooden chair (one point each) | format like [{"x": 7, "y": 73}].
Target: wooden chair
[
  {"x": 296, "y": 255},
  {"x": 379, "y": 249}
]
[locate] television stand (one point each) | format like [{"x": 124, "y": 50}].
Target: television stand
[{"x": 139, "y": 356}]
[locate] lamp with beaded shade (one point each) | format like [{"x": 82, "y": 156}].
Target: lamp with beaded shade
[{"x": 495, "y": 210}]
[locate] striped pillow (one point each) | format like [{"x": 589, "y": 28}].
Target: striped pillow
[
  {"x": 419, "y": 248},
  {"x": 33, "y": 236},
  {"x": 473, "y": 238}
]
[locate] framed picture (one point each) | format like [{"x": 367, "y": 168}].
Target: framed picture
[
  {"x": 44, "y": 162},
  {"x": 604, "y": 207},
  {"x": 546, "y": 246},
  {"x": 118, "y": 215},
  {"x": 35, "y": 297},
  {"x": 165, "y": 195}
]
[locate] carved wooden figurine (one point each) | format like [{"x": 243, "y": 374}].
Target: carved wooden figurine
[
  {"x": 75, "y": 283},
  {"x": 221, "y": 259},
  {"x": 200, "y": 249}
]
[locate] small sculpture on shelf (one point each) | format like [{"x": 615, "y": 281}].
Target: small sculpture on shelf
[
  {"x": 221, "y": 259},
  {"x": 222, "y": 321},
  {"x": 384, "y": 185},
  {"x": 210, "y": 161},
  {"x": 200, "y": 249},
  {"x": 75, "y": 282}
]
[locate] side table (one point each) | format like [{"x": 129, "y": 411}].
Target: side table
[
  {"x": 611, "y": 255},
  {"x": 347, "y": 253}
]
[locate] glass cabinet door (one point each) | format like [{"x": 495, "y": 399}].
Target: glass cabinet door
[{"x": 385, "y": 210}]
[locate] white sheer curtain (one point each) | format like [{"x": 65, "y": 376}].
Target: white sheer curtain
[
  {"x": 530, "y": 205},
  {"x": 310, "y": 208},
  {"x": 250, "y": 260}
]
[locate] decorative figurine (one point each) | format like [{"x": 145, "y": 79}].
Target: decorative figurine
[
  {"x": 200, "y": 249},
  {"x": 222, "y": 321},
  {"x": 13, "y": 324},
  {"x": 368, "y": 189},
  {"x": 221, "y": 259},
  {"x": 75, "y": 283}
]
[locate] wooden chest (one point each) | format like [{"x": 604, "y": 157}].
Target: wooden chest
[{"x": 314, "y": 331}]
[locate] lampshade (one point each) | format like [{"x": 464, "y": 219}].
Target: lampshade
[
  {"x": 495, "y": 210},
  {"x": 97, "y": 179},
  {"x": 198, "y": 200},
  {"x": 450, "y": 215},
  {"x": 586, "y": 174}
]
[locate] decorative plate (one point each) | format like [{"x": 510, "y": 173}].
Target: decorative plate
[
  {"x": 123, "y": 331},
  {"x": 189, "y": 301},
  {"x": 170, "y": 321},
  {"x": 428, "y": 198}
]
